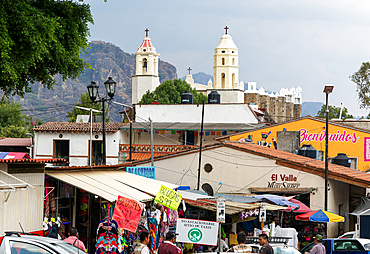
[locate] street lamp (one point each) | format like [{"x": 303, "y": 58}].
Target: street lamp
[
  {"x": 110, "y": 86},
  {"x": 327, "y": 90}
]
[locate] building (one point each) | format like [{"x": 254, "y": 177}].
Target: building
[
  {"x": 354, "y": 142},
  {"x": 71, "y": 141},
  {"x": 246, "y": 168}
]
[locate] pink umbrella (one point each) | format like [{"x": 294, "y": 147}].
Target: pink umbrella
[{"x": 302, "y": 207}]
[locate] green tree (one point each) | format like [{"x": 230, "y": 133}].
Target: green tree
[
  {"x": 333, "y": 112},
  {"x": 169, "y": 92},
  {"x": 40, "y": 39},
  {"x": 13, "y": 124},
  {"x": 362, "y": 80},
  {"x": 87, "y": 103}
]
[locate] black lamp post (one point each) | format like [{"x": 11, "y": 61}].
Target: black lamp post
[
  {"x": 327, "y": 90},
  {"x": 110, "y": 86}
]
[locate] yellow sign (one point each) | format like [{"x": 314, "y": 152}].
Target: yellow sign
[
  {"x": 168, "y": 197},
  {"x": 233, "y": 239}
]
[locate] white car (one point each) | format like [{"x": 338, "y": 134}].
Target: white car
[{"x": 351, "y": 234}]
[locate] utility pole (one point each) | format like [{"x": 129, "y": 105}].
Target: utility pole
[{"x": 200, "y": 148}]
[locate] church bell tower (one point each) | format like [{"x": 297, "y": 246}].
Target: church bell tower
[{"x": 146, "y": 74}]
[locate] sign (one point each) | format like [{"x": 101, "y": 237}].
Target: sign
[
  {"x": 197, "y": 231},
  {"x": 168, "y": 198},
  {"x": 283, "y": 181},
  {"x": 148, "y": 172},
  {"x": 127, "y": 213},
  {"x": 262, "y": 216},
  {"x": 233, "y": 239},
  {"x": 220, "y": 210},
  {"x": 340, "y": 136}
]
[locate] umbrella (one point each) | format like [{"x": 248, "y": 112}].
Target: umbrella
[
  {"x": 302, "y": 207},
  {"x": 277, "y": 200},
  {"x": 320, "y": 216}
]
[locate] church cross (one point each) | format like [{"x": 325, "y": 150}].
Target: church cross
[
  {"x": 226, "y": 29},
  {"x": 189, "y": 70},
  {"x": 146, "y": 32}
]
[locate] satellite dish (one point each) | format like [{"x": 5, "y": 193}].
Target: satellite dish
[{"x": 208, "y": 189}]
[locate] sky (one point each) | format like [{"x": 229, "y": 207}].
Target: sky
[{"x": 281, "y": 43}]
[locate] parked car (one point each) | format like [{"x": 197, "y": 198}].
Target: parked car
[
  {"x": 16, "y": 243},
  {"x": 342, "y": 246},
  {"x": 351, "y": 234}
]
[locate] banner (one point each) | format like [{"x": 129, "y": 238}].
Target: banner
[
  {"x": 168, "y": 197},
  {"x": 148, "y": 172},
  {"x": 197, "y": 231},
  {"x": 127, "y": 213}
]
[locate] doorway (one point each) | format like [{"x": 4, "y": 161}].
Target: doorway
[
  {"x": 97, "y": 152},
  {"x": 61, "y": 149}
]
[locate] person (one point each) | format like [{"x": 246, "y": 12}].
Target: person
[
  {"x": 242, "y": 247},
  {"x": 73, "y": 239},
  {"x": 142, "y": 247},
  {"x": 341, "y": 232},
  {"x": 264, "y": 242},
  {"x": 168, "y": 246},
  {"x": 319, "y": 248}
]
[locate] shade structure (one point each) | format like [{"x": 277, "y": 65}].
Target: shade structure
[
  {"x": 320, "y": 216},
  {"x": 277, "y": 200},
  {"x": 302, "y": 207}
]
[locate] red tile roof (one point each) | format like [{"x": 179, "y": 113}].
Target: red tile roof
[
  {"x": 15, "y": 141},
  {"x": 89, "y": 167},
  {"x": 53, "y": 160},
  {"x": 76, "y": 127},
  {"x": 302, "y": 163},
  {"x": 144, "y": 156}
]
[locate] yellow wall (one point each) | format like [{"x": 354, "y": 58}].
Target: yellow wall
[{"x": 341, "y": 139}]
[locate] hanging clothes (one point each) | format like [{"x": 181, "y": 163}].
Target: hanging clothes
[{"x": 107, "y": 237}]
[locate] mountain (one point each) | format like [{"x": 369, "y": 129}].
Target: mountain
[
  {"x": 311, "y": 108},
  {"x": 201, "y": 78},
  {"x": 106, "y": 60}
]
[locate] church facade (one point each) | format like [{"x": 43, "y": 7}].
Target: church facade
[{"x": 279, "y": 106}]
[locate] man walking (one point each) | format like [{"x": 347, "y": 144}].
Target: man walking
[
  {"x": 264, "y": 242},
  {"x": 242, "y": 247},
  {"x": 72, "y": 239},
  {"x": 319, "y": 248},
  {"x": 168, "y": 246},
  {"x": 142, "y": 247}
]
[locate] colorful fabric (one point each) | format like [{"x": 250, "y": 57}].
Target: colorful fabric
[{"x": 153, "y": 233}]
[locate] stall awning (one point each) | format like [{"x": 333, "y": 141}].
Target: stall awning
[{"x": 106, "y": 184}]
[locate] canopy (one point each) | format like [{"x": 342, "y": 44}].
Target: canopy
[
  {"x": 14, "y": 155},
  {"x": 302, "y": 207},
  {"x": 363, "y": 205},
  {"x": 109, "y": 184},
  {"x": 277, "y": 200},
  {"x": 320, "y": 216}
]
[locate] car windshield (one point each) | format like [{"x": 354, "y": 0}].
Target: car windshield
[
  {"x": 285, "y": 250},
  {"x": 68, "y": 248}
]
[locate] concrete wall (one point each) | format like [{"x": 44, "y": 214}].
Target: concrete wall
[
  {"x": 78, "y": 146},
  {"x": 288, "y": 141},
  {"x": 192, "y": 113},
  {"x": 238, "y": 171}
]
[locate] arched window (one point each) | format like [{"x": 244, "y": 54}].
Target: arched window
[
  {"x": 233, "y": 61},
  {"x": 233, "y": 79},
  {"x": 223, "y": 77},
  {"x": 223, "y": 61},
  {"x": 145, "y": 65}
]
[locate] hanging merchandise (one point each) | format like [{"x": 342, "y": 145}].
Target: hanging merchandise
[
  {"x": 107, "y": 235},
  {"x": 248, "y": 213},
  {"x": 153, "y": 233}
]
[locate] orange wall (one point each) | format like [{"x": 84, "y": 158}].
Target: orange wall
[{"x": 341, "y": 139}]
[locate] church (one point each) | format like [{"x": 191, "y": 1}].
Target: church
[{"x": 271, "y": 107}]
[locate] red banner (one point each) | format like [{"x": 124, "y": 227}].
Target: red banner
[{"x": 127, "y": 213}]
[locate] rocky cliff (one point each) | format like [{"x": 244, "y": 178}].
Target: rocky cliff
[{"x": 106, "y": 60}]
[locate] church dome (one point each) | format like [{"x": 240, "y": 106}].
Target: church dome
[
  {"x": 146, "y": 46},
  {"x": 226, "y": 42}
]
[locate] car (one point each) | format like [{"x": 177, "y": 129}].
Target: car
[
  {"x": 342, "y": 246},
  {"x": 351, "y": 234},
  {"x": 19, "y": 243}
]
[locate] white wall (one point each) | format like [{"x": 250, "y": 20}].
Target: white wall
[
  {"x": 192, "y": 113},
  {"x": 238, "y": 171},
  {"x": 78, "y": 146},
  {"x": 23, "y": 206}
]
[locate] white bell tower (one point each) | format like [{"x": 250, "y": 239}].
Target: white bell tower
[
  {"x": 146, "y": 74},
  {"x": 226, "y": 64}
]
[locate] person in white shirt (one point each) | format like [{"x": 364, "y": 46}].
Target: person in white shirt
[{"x": 142, "y": 247}]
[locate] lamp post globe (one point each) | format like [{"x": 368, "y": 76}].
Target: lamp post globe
[
  {"x": 93, "y": 90},
  {"x": 110, "y": 86}
]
